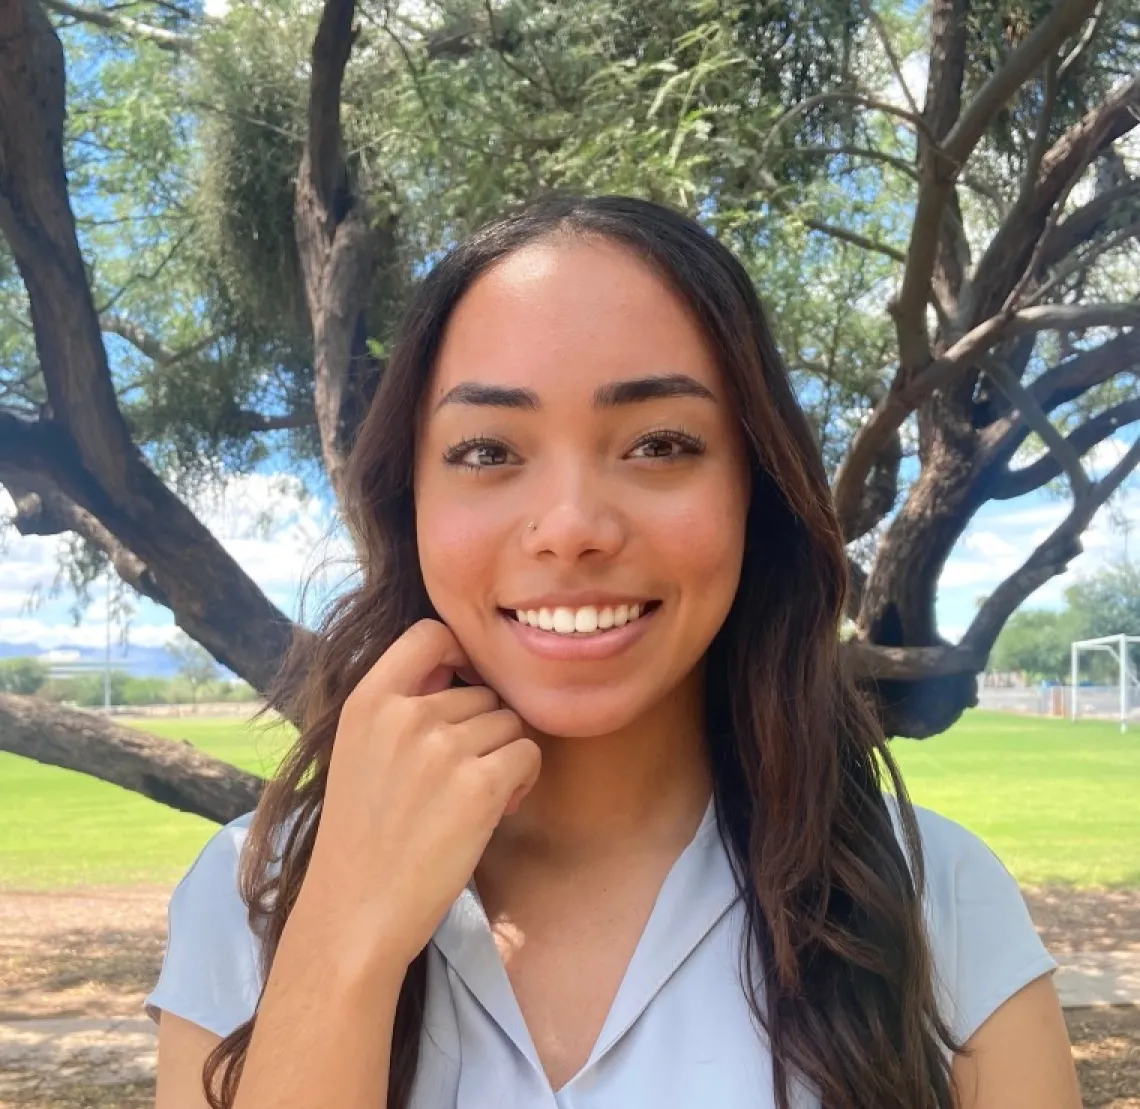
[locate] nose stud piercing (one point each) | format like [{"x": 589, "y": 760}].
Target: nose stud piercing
[{"x": 532, "y": 526}]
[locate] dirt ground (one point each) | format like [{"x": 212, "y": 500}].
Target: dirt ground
[{"x": 95, "y": 954}]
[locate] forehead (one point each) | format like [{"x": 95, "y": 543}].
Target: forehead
[{"x": 564, "y": 315}]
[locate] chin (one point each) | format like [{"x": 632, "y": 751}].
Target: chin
[{"x": 575, "y": 713}]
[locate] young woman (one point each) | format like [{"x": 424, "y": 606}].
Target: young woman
[{"x": 584, "y": 812}]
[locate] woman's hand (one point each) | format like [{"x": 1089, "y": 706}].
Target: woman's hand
[{"x": 420, "y": 775}]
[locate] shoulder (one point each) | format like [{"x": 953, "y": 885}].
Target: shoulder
[
  {"x": 222, "y": 850},
  {"x": 210, "y": 887},
  {"x": 211, "y": 967},
  {"x": 983, "y": 942}
]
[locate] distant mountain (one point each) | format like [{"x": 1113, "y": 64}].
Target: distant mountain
[{"x": 139, "y": 662}]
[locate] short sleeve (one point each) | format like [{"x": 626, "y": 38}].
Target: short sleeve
[
  {"x": 983, "y": 941},
  {"x": 210, "y": 972}
]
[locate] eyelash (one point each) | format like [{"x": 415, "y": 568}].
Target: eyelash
[
  {"x": 453, "y": 456},
  {"x": 690, "y": 444}
]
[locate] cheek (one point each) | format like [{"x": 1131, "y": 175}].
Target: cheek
[
  {"x": 699, "y": 537},
  {"x": 458, "y": 548}
]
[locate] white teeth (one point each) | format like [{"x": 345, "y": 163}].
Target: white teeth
[{"x": 587, "y": 620}]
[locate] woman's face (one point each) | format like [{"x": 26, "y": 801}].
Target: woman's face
[{"x": 578, "y": 463}]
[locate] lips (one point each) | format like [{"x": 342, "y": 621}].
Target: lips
[{"x": 575, "y": 646}]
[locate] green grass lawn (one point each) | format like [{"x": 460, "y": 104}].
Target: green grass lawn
[
  {"x": 1058, "y": 802},
  {"x": 59, "y": 828}
]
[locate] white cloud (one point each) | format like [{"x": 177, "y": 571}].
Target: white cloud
[
  {"x": 280, "y": 537},
  {"x": 979, "y": 557},
  {"x": 91, "y": 633},
  {"x": 1000, "y": 539},
  {"x": 1104, "y": 456}
]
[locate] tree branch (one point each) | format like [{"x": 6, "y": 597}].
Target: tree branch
[
  {"x": 1085, "y": 222},
  {"x": 1087, "y": 36},
  {"x": 42, "y": 509},
  {"x": 1078, "y": 265},
  {"x": 1051, "y": 88},
  {"x": 141, "y": 339},
  {"x": 171, "y": 773},
  {"x": 872, "y": 662},
  {"x": 338, "y": 241},
  {"x": 111, "y": 21},
  {"x": 847, "y": 95},
  {"x": 1052, "y": 557},
  {"x": 1016, "y": 483},
  {"x": 892, "y": 57},
  {"x": 1069, "y": 379},
  {"x": 1071, "y": 317},
  {"x": 941, "y": 165},
  {"x": 1062, "y": 450},
  {"x": 151, "y": 345},
  {"x": 856, "y": 239},
  {"x": 332, "y": 47},
  {"x": 1031, "y": 234},
  {"x": 257, "y": 421},
  {"x": 901, "y": 164},
  {"x": 1030, "y": 54},
  {"x": 906, "y": 395},
  {"x": 936, "y": 184}
]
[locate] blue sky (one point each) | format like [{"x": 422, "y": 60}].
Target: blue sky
[{"x": 299, "y": 539}]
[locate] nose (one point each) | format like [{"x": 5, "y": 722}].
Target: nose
[{"x": 575, "y": 519}]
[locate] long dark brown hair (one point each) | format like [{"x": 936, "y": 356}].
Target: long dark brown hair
[{"x": 835, "y": 957}]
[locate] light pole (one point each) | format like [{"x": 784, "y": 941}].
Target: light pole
[{"x": 107, "y": 655}]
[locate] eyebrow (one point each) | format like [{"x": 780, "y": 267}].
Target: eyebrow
[{"x": 611, "y": 395}]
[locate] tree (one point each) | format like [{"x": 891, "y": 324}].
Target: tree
[
  {"x": 195, "y": 664},
  {"x": 22, "y": 675},
  {"x": 997, "y": 224},
  {"x": 1037, "y": 642},
  {"x": 1107, "y": 602}
]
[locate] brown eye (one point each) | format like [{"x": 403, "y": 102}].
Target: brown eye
[
  {"x": 478, "y": 454},
  {"x": 658, "y": 448},
  {"x": 666, "y": 446}
]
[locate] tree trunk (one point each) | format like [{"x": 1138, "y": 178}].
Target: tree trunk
[
  {"x": 171, "y": 773},
  {"x": 81, "y": 442},
  {"x": 898, "y": 603}
]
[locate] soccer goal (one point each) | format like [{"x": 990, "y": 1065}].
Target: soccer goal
[{"x": 1099, "y": 698}]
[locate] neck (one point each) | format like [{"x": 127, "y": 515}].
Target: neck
[{"x": 644, "y": 787}]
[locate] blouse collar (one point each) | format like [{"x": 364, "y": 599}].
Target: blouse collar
[{"x": 698, "y": 890}]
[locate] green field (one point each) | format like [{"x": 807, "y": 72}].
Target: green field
[
  {"x": 1058, "y": 802},
  {"x": 59, "y": 828}
]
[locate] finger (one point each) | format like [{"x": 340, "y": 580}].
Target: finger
[
  {"x": 421, "y": 661},
  {"x": 514, "y": 770},
  {"x": 483, "y": 734},
  {"x": 454, "y": 706}
]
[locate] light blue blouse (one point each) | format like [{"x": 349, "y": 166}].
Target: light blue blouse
[{"x": 679, "y": 1033}]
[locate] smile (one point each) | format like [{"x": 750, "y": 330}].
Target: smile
[
  {"x": 587, "y": 620},
  {"x": 607, "y": 631}
]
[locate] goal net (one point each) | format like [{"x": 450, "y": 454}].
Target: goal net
[{"x": 1119, "y": 696}]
